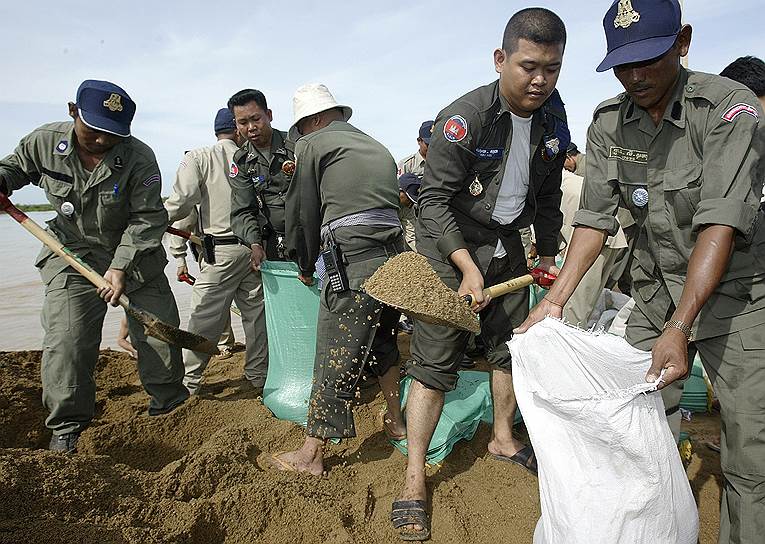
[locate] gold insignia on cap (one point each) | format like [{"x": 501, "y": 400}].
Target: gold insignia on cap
[
  {"x": 114, "y": 103},
  {"x": 625, "y": 14}
]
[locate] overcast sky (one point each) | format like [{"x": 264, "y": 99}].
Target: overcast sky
[{"x": 395, "y": 63}]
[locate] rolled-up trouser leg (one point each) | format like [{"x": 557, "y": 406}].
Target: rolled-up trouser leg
[
  {"x": 160, "y": 365},
  {"x": 642, "y": 334},
  {"x": 735, "y": 364},
  {"x": 437, "y": 351},
  {"x": 72, "y": 317},
  {"x": 349, "y": 323}
]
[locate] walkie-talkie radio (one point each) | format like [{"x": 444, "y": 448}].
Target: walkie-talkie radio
[{"x": 334, "y": 268}]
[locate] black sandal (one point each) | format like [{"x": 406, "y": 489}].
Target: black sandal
[
  {"x": 524, "y": 458},
  {"x": 411, "y": 513}
]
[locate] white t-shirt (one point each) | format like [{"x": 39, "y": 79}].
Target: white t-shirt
[{"x": 515, "y": 181}]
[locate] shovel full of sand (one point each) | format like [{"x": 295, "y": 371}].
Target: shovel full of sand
[
  {"x": 427, "y": 298},
  {"x": 152, "y": 325}
]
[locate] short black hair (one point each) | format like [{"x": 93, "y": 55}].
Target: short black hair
[
  {"x": 749, "y": 71},
  {"x": 537, "y": 25},
  {"x": 245, "y": 96}
]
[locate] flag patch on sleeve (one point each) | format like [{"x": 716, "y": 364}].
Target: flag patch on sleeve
[{"x": 737, "y": 109}]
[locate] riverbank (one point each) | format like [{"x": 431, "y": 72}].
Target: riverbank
[{"x": 201, "y": 474}]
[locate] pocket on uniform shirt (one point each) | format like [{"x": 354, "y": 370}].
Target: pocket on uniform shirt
[
  {"x": 682, "y": 192},
  {"x": 112, "y": 211},
  {"x": 56, "y": 190}
]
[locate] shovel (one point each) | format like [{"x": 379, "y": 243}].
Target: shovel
[
  {"x": 152, "y": 325},
  {"x": 428, "y": 299}
]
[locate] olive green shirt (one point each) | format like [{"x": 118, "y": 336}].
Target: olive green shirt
[
  {"x": 464, "y": 171},
  {"x": 118, "y": 218},
  {"x": 704, "y": 164},
  {"x": 259, "y": 187},
  {"x": 340, "y": 171}
]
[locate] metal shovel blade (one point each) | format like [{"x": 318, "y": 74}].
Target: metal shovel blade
[{"x": 153, "y": 326}]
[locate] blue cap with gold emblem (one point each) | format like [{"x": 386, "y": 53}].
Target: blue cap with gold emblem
[
  {"x": 106, "y": 107},
  {"x": 639, "y": 30}
]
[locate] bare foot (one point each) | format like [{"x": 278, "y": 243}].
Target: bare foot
[{"x": 309, "y": 458}]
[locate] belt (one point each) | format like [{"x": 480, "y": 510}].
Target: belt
[
  {"x": 225, "y": 240},
  {"x": 387, "y": 250}
]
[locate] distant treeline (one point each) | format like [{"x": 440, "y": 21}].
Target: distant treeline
[{"x": 33, "y": 208}]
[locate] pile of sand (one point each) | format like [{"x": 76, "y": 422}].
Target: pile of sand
[{"x": 201, "y": 474}]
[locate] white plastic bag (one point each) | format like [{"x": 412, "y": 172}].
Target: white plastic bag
[{"x": 609, "y": 470}]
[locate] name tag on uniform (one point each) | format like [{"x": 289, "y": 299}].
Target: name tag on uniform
[
  {"x": 629, "y": 155},
  {"x": 489, "y": 154}
]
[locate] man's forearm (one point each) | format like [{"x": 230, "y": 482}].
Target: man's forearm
[
  {"x": 462, "y": 260},
  {"x": 586, "y": 244},
  {"x": 706, "y": 267}
]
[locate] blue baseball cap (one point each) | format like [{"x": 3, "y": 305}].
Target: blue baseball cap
[
  {"x": 410, "y": 184},
  {"x": 639, "y": 30},
  {"x": 106, "y": 107},
  {"x": 426, "y": 129},
  {"x": 224, "y": 121}
]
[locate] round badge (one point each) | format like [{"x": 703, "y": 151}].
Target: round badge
[
  {"x": 62, "y": 146},
  {"x": 67, "y": 208},
  {"x": 640, "y": 197},
  {"x": 455, "y": 128},
  {"x": 288, "y": 167}
]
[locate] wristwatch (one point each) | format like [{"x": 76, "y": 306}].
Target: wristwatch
[{"x": 679, "y": 325}]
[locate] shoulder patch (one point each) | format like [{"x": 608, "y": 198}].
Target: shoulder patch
[
  {"x": 455, "y": 128},
  {"x": 151, "y": 180},
  {"x": 737, "y": 109},
  {"x": 233, "y": 171}
]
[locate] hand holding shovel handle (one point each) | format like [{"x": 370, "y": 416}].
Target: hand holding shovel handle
[
  {"x": 540, "y": 277},
  {"x": 153, "y": 326}
]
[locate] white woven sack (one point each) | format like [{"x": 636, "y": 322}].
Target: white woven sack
[{"x": 609, "y": 470}]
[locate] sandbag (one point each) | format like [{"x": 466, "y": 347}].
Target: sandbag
[
  {"x": 609, "y": 469},
  {"x": 465, "y": 407},
  {"x": 292, "y": 312}
]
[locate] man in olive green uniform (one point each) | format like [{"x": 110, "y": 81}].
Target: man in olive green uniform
[
  {"x": 685, "y": 153},
  {"x": 105, "y": 187},
  {"x": 260, "y": 176},
  {"x": 494, "y": 167},
  {"x": 344, "y": 197}
]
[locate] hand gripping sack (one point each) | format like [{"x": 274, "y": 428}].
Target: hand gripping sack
[{"x": 609, "y": 470}]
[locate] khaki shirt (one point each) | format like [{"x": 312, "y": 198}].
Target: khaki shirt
[
  {"x": 413, "y": 164},
  {"x": 463, "y": 174},
  {"x": 571, "y": 185},
  {"x": 118, "y": 217},
  {"x": 340, "y": 171},
  {"x": 201, "y": 188},
  {"x": 704, "y": 164},
  {"x": 259, "y": 189}
]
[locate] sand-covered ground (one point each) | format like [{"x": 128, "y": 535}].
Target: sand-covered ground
[{"x": 201, "y": 474}]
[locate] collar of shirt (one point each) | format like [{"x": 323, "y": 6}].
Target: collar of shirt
[{"x": 674, "y": 113}]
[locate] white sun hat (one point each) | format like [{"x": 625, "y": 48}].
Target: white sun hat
[{"x": 310, "y": 99}]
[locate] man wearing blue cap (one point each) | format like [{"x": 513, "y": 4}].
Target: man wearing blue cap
[
  {"x": 202, "y": 188},
  {"x": 685, "y": 153},
  {"x": 105, "y": 187},
  {"x": 415, "y": 165}
]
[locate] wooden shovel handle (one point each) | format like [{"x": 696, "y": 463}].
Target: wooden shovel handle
[
  {"x": 57, "y": 247},
  {"x": 505, "y": 287},
  {"x": 193, "y": 238}
]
